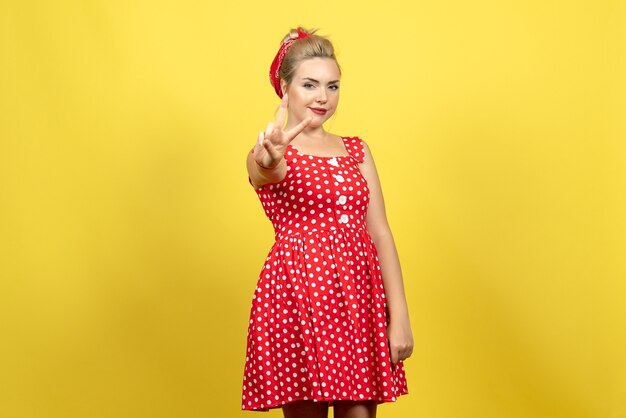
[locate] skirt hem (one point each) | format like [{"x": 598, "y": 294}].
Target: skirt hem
[{"x": 280, "y": 404}]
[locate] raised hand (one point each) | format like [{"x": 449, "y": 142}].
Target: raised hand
[{"x": 272, "y": 144}]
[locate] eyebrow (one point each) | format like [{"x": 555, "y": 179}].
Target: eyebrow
[{"x": 312, "y": 79}]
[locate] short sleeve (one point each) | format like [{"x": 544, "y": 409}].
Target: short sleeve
[{"x": 356, "y": 148}]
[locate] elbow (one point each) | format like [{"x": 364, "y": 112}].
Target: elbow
[{"x": 379, "y": 233}]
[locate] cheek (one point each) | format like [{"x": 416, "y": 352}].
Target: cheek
[{"x": 304, "y": 97}]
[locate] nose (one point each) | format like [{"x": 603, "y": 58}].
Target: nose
[{"x": 322, "y": 96}]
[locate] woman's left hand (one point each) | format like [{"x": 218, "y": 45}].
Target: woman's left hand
[{"x": 400, "y": 339}]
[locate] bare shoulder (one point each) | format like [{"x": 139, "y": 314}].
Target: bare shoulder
[
  {"x": 366, "y": 147},
  {"x": 367, "y": 157}
]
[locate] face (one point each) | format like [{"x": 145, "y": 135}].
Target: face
[{"x": 315, "y": 85}]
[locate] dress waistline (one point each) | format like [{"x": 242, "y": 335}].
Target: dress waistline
[{"x": 282, "y": 236}]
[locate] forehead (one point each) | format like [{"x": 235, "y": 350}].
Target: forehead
[{"x": 318, "y": 68}]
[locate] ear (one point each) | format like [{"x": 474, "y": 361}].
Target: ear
[{"x": 283, "y": 86}]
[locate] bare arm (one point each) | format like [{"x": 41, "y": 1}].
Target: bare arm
[
  {"x": 399, "y": 332},
  {"x": 260, "y": 176}
]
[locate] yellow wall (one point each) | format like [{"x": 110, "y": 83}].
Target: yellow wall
[{"x": 131, "y": 240}]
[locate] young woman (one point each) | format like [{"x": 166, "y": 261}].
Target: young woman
[{"x": 329, "y": 323}]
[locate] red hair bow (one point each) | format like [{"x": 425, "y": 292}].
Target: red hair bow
[{"x": 278, "y": 60}]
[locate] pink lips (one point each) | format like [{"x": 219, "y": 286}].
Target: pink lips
[{"x": 318, "y": 111}]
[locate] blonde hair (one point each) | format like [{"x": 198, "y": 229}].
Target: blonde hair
[{"x": 312, "y": 46}]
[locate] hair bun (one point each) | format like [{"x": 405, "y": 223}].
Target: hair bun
[{"x": 296, "y": 33}]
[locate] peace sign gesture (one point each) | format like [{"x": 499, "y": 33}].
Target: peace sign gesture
[{"x": 272, "y": 144}]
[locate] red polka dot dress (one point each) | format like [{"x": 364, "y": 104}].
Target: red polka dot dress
[{"x": 318, "y": 321}]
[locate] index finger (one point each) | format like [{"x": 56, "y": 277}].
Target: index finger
[
  {"x": 293, "y": 132},
  {"x": 282, "y": 111}
]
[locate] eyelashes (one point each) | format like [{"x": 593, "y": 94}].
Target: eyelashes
[{"x": 334, "y": 86}]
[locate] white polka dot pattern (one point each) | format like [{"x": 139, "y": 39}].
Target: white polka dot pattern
[{"x": 318, "y": 320}]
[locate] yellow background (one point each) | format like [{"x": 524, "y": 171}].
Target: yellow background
[{"x": 131, "y": 240}]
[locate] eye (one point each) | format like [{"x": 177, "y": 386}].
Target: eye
[
  {"x": 334, "y": 87},
  {"x": 308, "y": 84}
]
